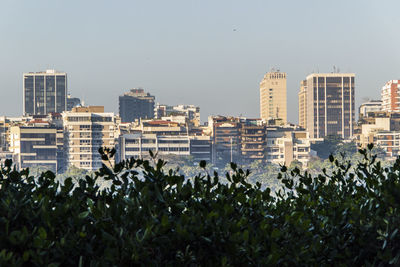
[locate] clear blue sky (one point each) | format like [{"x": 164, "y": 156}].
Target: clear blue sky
[{"x": 209, "y": 53}]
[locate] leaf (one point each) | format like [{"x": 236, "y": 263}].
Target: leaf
[
  {"x": 164, "y": 220},
  {"x": 42, "y": 233},
  {"x": 83, "y": 215},
  {"x": 392, "y": 236},
  {"x": 202, "y": 164}
]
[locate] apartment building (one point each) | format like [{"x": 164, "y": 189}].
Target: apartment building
[
  {"x": 390, "y": 96},
  {"x": 137, "y": 145},
  {"x": 86, "y": 129},
  {"x": 4, "y": 133},
  {"x": 34, "y": 145},
  {"x": 374, "y": 123},
  {"x": 252, "y": 140},
  {"x": 44, "y": 92},
  {"x": 330, "y": 104},
  {"x": 284, "y": 145},
  {"x": 226, "y": 139},
  {"x": 389, "y": 141},
  {"x": 368, "y": 107},
  {"x": 185, "y": 113},
  {"x": 273, "y": 99}
]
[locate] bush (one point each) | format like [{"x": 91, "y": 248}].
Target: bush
[{"x": 152, "y": 217}]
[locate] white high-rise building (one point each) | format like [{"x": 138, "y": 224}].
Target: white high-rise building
[{"x": 86, "y": 129}]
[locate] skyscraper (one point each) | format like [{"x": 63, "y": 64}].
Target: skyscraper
[
  {"x": 330, "y": 104},
  {"x": 273, "y": 96},
  {"x": 44, "y": 92},
  {"x": 303, "y": 104},
  {"x": 390, "y": 96},
  {"x": 136, "y": 104}
]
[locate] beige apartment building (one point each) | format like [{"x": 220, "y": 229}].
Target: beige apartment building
[
  {"x": 273, "y": 102},
  {"x": 284, "y": 145},
  {"x": 303, "y": 104},
  {"x": 86, "y": 129}
]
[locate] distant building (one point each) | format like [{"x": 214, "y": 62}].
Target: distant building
[
  {"x": 86, "y": 129},
  {"x": 303, "y": 104},
  {"x": 72, "y": 102},
  {"x": 284, "y": 145},
  {"x": 330, "y": 104},
  {"x": 136, "y": 104},
  {"x": 376, "y": 121},
  {"x": 389, "y": 141},
  {"x": 34, "y": 145},
  {"x": 369, "y": 106},
  {"x": 44, "y": 92},
  {"x": 161, "y": 127},
  {"x": 226, "y": 139},
  {"x": 252, "y": 142},
  {"x": 390, "y": 96},
  {"x": 273, "y": 100},
  {"x": 137, "y": 145},
  {"x": 4, "y": 133},
  {"x": 190, "y": 112},
  {"x": 165, "y": 138}
]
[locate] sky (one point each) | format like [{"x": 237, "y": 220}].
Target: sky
[{"x": 212, "y": 54}]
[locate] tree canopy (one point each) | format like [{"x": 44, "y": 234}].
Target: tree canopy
[{"x": 151, "y": 216}]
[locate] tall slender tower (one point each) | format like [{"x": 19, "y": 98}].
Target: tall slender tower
[
  {"x": 330, "y": 104},
  {"x": 303, "y": 104},
  {"x": 273, "y": 96},
  {"x": 45, "y": 92}
]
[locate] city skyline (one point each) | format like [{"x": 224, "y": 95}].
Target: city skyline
[{"x": 205, "y": 54}]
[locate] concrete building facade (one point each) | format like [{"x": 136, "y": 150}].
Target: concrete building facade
[
  {"x": 137, "y": 145},
  {"x": 369, "y": 106},
  {"x": 190, "y": 112},
  {"x": 284, "y": 145},
  {"x": 34, "y": 145},
  {"x": 44, "y": 92},
  {"x": 303, "y": 104},
  {"x": 86, "y": 129},
  {"x": 330, "y": 104},
  {"x": 136, "y": 104},
  {"x": 252, "y": 140},
  {"x": 273, "y": 99},
  {"x": 390, "y": 96}
]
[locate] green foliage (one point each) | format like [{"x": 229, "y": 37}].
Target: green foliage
[
  {"x": 155, "y": 217},
  {"x": 334, "y": 145}
]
